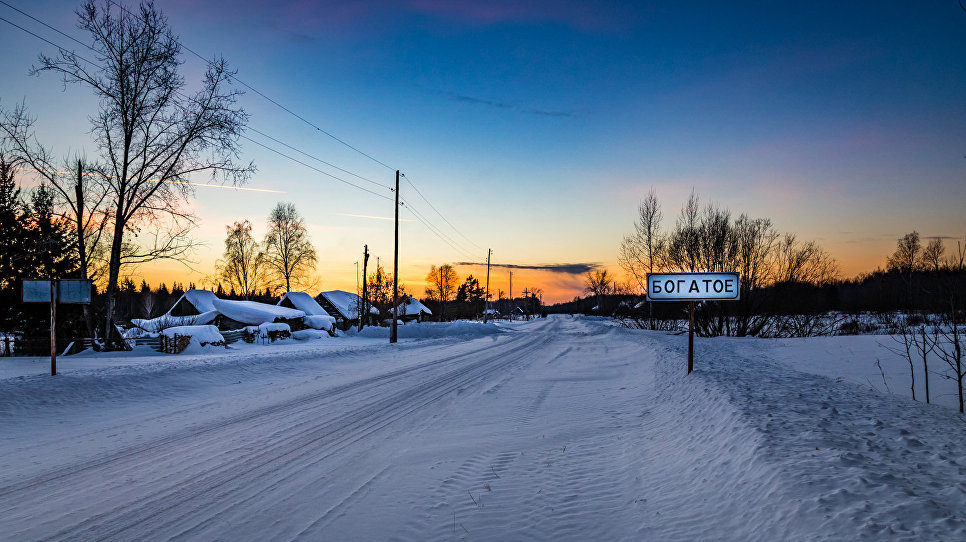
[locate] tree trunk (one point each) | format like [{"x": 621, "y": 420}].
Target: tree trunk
[
  {"x": 114, "y": 271},
  {"x": 81, "y": 246},
  {"x": 925, "y": 364}
]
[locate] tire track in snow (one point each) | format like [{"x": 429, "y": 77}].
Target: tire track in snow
[
  {"x": 180, "y": 499},
  {"x": 294, "y": 405}
]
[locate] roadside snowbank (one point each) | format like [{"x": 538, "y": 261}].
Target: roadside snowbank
[{"x": 835, "y": 460}]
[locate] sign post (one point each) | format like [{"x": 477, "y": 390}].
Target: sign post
[
  {"x": 693, "y": 287},
  {"x": 54, "y": 291},
  {"x": 53, "y": 328}
]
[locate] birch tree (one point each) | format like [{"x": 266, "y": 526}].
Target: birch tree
[
  {"x": 243, "y": 264},
  {"x": 289, "y": 254},
  {"x": 151, "y": 133}
]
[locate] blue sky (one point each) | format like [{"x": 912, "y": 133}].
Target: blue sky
[{"x": 536, "y": 127}]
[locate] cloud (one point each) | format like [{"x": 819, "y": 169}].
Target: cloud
[
  {"x": 510, "y": 107},
  {"x": 564, "y": 268}
]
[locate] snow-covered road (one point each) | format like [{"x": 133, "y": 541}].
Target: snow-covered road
[{"x": 558, "y": 429}]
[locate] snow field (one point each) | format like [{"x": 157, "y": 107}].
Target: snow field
[{"x": 856, "y": 463}]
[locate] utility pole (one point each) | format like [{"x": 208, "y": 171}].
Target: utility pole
[
  {"x": 526, "y": 308},
  {"x": 365, "y": 262},
  {"x": 690, "y": 337},
  {"x": 53, "y": 327},
  {"x": 511, "y": 296},
  {"x": 486, "y": 304},
  {"x": 358, "y": 294},
  {"x": 395, "y": 269}
]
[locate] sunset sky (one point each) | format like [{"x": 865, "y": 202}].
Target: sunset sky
[{"x": 534, "y": 128}]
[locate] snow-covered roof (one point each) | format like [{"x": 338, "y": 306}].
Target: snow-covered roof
[
  {"x": 201, "y": 299},
  {"x": 413, "y": 306},
  {"x": 347, "y": 303},
  {"x": 304, "y": 302},
  {"x": 253, "y": 312},
  {"x": 154, "y": 325}
]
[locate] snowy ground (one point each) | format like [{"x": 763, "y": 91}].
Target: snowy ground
[{"x": 558, "y": 429}]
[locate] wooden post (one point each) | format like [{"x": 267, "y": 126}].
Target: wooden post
[
  {"x": 511, "y": 296},
  {"x": 53, "y": 327},
  {"x": 393, "y": 337},
  {"x": 690, "y": 337},
  {"x": 365, "y": 295},
  {"x": 486, "y": 300}
]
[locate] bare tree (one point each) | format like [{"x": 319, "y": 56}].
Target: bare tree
[
  {"x": 598, "y": 283},
  {"x": 806, "y": 262},
  {"x": 680, "y": 250},
  {"x": 152, "y": 137},
  {"x": 924, "y": 346},
  {"x": 956, "y": 261},
  {"x": 908, "y": 255},
  {"x": 908, "y": 345},
  {"x": 289, "y": 254},
  {"x": 949, "y": 344},
  {"x": 379, "y": 287},
  {"x": 243, "y": 264},
  {"x": 638, "y": 250},
  {"x": 442, "y": 284},
  {"x": 754, "y": 241},
  {"x": 932, "y": 255}
]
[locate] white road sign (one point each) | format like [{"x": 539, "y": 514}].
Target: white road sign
[{"x": 693, "y": 287}]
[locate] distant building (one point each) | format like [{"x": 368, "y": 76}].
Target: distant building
[
  {"x": 344, "y": 306},
  {"x": 201, "y": 307},
  {"x": 316, "y": 317},
  {"x": 412, "y": 309}
]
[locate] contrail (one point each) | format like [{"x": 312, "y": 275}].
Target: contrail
[{"x": 205, "y": 185}]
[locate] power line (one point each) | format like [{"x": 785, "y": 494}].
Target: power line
[
  {"x": 235, "y": 78},
  {"x": 441, "y": 214},
  {"x": 419, "y": 216},
  {"x": 29, "y": 16},
  {"x": 438, "y": 232},
  {"x": 293, "y": 113},
  {"x": 296, "y": 160},
  {"x": 45, "y": 40},
  {"x": 65, "y": 50},
  {"x": 316, "y": 158}
]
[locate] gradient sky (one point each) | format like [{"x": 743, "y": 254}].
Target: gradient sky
[{"x": 536, "y": 127}]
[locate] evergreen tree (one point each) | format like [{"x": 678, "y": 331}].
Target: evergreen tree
[
  {"x": 51, "y": 249},
  {"x": 12, "y": 224}
]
